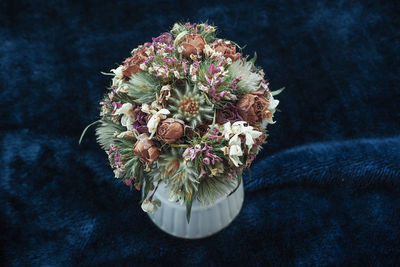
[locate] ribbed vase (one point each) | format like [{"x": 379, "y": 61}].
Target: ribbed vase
[{"x": 204, "y": 221}]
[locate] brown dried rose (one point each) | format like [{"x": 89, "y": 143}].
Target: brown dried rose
[
  {"x": 132, "y": 64},
  {"x": 146, "y": 150},
  {"x": 193, "y": 44},
  {"x": 252, "y": 107},
  {"x": 228, "y": 50},
  {"x": 169, "y": 131},
  {"x": 201, "y": 129}
]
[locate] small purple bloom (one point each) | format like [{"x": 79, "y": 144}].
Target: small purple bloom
[
  {"x": 209, "y": 155},
  {"x": 169, "y": 61},
  {"x": 117, "y": 159},
  {"x": 169, "y": 49},
  {"x": 165, "y": 38},
  {"x": 112, "y": 149},
  {"x": 207, "y": 79},
  {"x": 206, "y": 161}
]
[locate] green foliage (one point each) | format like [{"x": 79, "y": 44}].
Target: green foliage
[
  {"x": 143, "y": 87},
  {"x": 212, "y": 188},
  {"x": 105, "y": 133},
  {"x": 182, "y": 176}
]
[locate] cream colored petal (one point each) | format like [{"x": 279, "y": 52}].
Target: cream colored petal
[
  {"x": 249, "y": 140},
  {"x": 235, "y": 160},
  {"x": 146, "y": 108},
  {"x": 273, "y": 103},
  {"x": 164, "y": 111},
  {"x": 235, "y": 140},
  {"x": 180, "y": 38},
  {"x": 235, "y": 150}
]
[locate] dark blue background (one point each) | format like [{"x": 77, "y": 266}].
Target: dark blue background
[{"x": 325, "y": 188}]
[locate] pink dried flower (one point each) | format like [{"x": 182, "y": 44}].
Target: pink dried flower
[
  {"x": 213, "y": 69},
  {"x": 235, "y": 81},
  {"x": 191, "y": 26},
  {"x": 213, "y": 157},
  {"x": 117, "y": 159},
  {"x": 190, "y": 153},
  {"x": 214, "y": 134},
  {"x": 165, "y": 38},
  {"x": 116, "y": 105},
  {"x": 169, "y": 49},
  {"x": 148, "y": 59}
]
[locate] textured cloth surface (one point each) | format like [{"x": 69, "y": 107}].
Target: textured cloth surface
[{"x": 325, "y": 188}]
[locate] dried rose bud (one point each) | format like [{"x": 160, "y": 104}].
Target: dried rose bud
[
  {"x": 146, "y": 150},
  {"x": 193, "y": 44},
  {"x": 132, "y": 64},
  {"x": 169, "y": 131},
  {"x": 228, "y": 50},
  {"x": 252, "y": 107}
]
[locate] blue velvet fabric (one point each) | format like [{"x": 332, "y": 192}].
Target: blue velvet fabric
[{"x": 325, "y": 189}]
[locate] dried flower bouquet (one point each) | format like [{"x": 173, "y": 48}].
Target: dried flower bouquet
[{"x": 189, "y": 110}]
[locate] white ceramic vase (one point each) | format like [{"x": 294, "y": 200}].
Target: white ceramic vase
[{"x": 204, "y": 221}]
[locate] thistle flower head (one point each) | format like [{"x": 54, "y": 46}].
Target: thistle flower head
[{"x": 190, "y": 106}]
